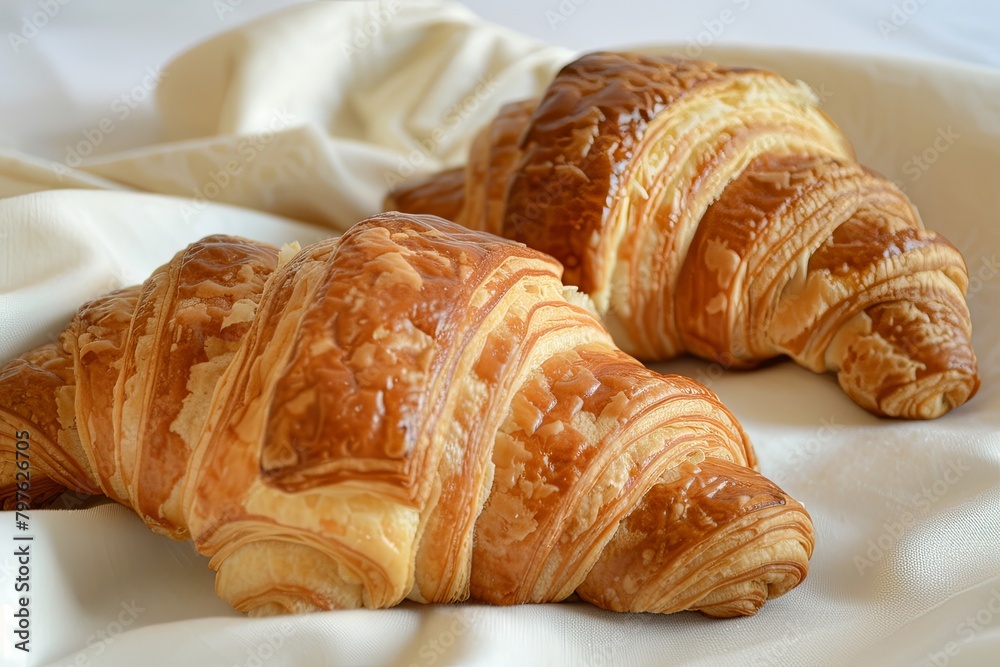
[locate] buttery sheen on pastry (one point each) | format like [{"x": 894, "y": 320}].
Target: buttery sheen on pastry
[
  {"x": 719, "y": 211},
  {"x": 411, "y": 410}
]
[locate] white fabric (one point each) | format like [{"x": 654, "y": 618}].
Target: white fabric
[
  {"x": 962, "y": 30},
  {"x": 907, "y": 514}
]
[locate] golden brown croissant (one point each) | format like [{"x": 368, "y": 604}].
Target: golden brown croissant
[
  {"x": 413, "y": 409},
  {"x": 718, "y": 211}
]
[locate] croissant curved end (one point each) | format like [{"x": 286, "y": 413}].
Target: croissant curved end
[
  {"x": 908, "y": 361},
  {"x": 711, "y": 536},
  {"x": 930, "y": 397}
]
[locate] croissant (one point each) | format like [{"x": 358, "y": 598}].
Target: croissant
[
  {"x": 719, "y": 211},
  {"x": 412, "y": 410}
]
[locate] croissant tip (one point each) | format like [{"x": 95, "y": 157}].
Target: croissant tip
[
  {"x": 930, "y": 397},
  {"x": 750, "y": 598}
]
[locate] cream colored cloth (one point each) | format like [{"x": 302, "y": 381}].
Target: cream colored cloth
[
  {"x": 308, "y": 116},
  {"x": 311, "y": 112}
]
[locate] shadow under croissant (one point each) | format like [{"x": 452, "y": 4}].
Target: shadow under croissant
[{"x": 411, "y": 410}]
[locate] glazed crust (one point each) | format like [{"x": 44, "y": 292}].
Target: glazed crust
[{"x": 411, "y": 410}]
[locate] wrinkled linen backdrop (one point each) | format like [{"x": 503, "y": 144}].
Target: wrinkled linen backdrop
[{"x": 292, "y": 128}]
